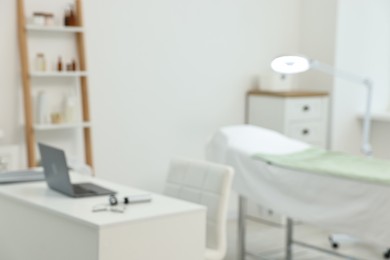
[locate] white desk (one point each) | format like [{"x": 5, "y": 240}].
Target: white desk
[{"x": 40, "y": 224}]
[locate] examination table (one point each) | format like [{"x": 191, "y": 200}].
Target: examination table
[{"x": 356, "y": 207}]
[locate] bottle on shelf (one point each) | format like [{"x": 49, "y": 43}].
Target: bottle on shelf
[
  {"x": 59, "y": 64},
  {"x": 70, "y": 104},
  {"x": 70, "y": 18},
  {"x": 66, "y": 17},
  {"x": 74, "y": 65},
  {"x": 42, "y": 109}
]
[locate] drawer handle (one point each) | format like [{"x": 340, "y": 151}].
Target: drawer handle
[
  {"x": 305, "y": 132},
  {"x": 306, "y": 108}
]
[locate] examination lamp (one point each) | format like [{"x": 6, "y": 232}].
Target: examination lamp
[{"x": 297, "y": 64}]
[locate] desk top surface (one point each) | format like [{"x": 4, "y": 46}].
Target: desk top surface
[{"x": 37, "y": 194}]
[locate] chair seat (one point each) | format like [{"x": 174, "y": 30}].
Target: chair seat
[{"x": 211, "y": 254}]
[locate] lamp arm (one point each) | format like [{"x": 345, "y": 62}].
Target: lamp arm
[
  {"x": 328, "y": 69},
  {"x": 366, "y": 146}
]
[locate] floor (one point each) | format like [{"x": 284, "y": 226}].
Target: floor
[{"x": 263, "y": 238}]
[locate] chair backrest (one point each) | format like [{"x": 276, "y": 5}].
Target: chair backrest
[{"x": 204, "y": 183}]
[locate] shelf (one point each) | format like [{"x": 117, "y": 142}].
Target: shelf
[
  {"x": 51, "y": 28},
  {"x": 58, "y": 74},
  {"x": 378, "y": 116},
  {"x": 41, "y": 127},
  {"x": 73, "y": 37}
]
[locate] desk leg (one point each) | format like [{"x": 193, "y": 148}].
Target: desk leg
[
  {"x": 242, "y": 209},
  {"x": 289, "y": 238}
]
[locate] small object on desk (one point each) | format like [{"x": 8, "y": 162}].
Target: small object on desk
[
  {"x": 119, "y": 206},
  {"x": 100, "y": 208},
  {"x": 21, "y": 176},
  {"x": 118, "y": 209},
  {"x": 106, "y": 207},
  {"x": 142, "y": 198}
]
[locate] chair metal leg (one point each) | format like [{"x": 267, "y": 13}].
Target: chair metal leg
[
  {"x": 242, "y": 209},
  {"x": 289, "y": 238}
]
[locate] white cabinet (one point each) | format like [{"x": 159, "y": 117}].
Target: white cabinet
[{"x": 301, "y": 115}]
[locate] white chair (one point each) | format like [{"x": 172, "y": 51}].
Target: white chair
[{"x": 208, "y": 184}]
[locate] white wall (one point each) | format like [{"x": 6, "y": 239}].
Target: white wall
[
  {"x": 168, "y": 74},
  {"x": 317, "y": 40},
  {"x": 164, "y": 75},
  {"x": 362, "y": 47},
  {"x": 9, "y": 73}
]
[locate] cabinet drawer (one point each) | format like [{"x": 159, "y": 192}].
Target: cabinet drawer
[
  {"x": 310, "y": 132},
  {"x": 305, "y": 108}
]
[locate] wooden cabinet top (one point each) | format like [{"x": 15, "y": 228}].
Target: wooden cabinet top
[{"x": 291, "y": 93}]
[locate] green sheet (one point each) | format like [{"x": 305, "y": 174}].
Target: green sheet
[{"x": 333, "y": 163}]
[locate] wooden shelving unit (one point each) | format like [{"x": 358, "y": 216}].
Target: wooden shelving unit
[{"x": 27, "y": 75}]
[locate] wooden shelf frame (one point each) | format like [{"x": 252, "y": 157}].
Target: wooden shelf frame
[{"x": 27, "y": 75}]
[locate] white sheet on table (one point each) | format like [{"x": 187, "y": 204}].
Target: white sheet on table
[{"x": 343, "y": 205}]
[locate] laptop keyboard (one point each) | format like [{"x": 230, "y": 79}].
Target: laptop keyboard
[{"x": 81, "y": 190}]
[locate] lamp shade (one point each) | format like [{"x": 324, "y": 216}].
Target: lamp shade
[{"x": 290, "y": 64}]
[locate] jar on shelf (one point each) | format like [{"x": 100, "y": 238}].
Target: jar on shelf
[
  {"x": 49, "y": 19},
  {"x": 40, "y": 62},
  {"x": 39, "y": 18}
]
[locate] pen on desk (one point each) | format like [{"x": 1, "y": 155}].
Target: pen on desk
[
  {"x": 133, "y": 199},
  {"x": 138, "y": 199}
]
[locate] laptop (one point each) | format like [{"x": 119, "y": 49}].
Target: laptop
[{"x": 57, "y": 175}]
